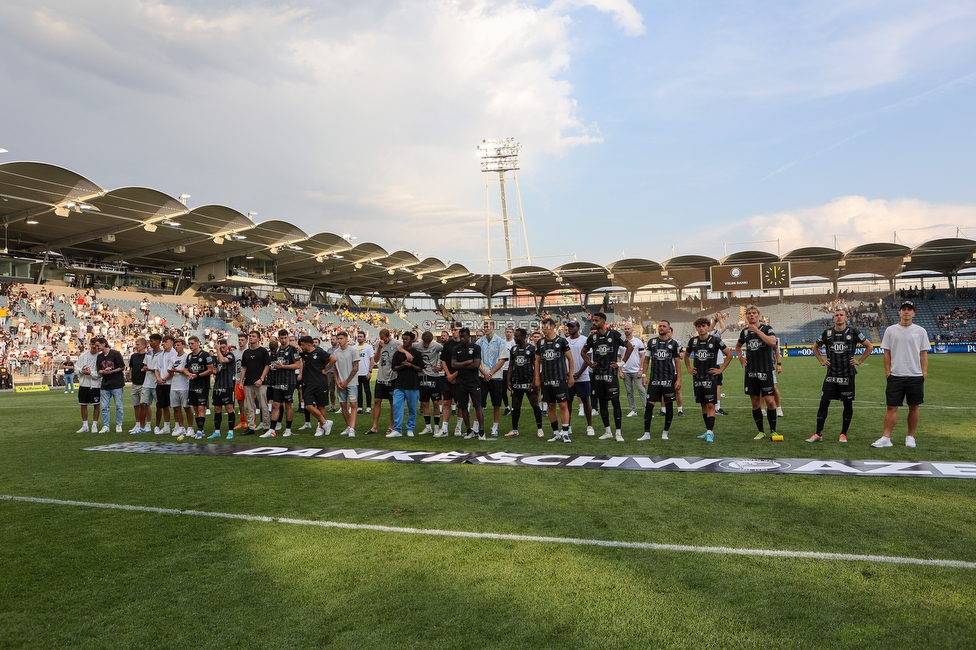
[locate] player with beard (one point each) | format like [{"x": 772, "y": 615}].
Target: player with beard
[
  {"x": 224, "y": 387},
  {"x": 704, "y": 351},
  {"x": 382, "y": 360},
  {"x": 449, "y": 386},
  {"x": 430, "y": 384},
  {"x": 604, "y": 343},
  {"x": 466, "y": 363},
  {"x": 199, "y": 367},
  {"x": 317, "y": 365},
  {"x": 760, "y": 341},
  {"x": 660, "y": 372},
  {"x": 521, "y": 381},
  {"x": 285, "y": 360},
  {"x": 554, "y": 377},
  {"x": 839, "y": 342},
  {"x": 581, "y": 377}
]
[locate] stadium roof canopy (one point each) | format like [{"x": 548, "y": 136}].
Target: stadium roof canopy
[{"x": 46, "y": 209}]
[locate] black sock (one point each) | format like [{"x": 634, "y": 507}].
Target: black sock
[
  {"x": 288, "y": 424},
  {"x": 437, "y": 422},
  {"x": 516, "y": 413},
  {"x": 848, "y": 415},
  {"x": 705, "y": 419},
  {"x": 219, "y": 419},
  {"x": 201, "y": 422},
  {"x": 274, "y": 423},
  {"x": 427, "y": 420},
  {"x": 710, "y": 423},
  {"x": 822, "y": 415},
  {"x": 605, "y": 413},
  {"x": 668, "y": 416},
  {"x": 555, "y": 425},
  {"x": 565, "y": 429},
  {"x": 618, "y": 415},
  {"x": 537, "y": 412},
  {"x": 771, "y": 416},
  {"x": 757, "y": 416},
  {"x": 648, "y": 416}
]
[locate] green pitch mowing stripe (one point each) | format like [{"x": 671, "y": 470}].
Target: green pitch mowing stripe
[{"x": 717, "y": 550}]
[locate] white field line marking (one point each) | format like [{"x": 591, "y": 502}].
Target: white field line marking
[{"x": 717, "y": 550}]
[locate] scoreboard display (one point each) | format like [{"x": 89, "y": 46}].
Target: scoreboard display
[{"x": 751, "y": 277}]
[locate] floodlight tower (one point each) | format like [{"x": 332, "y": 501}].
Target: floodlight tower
[{"x": 502, "y": 156}]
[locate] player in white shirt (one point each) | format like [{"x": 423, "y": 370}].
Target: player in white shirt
[{"x": 906, "y": 362}]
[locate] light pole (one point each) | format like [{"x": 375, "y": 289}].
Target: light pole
[{"x": 502, "y": 156}]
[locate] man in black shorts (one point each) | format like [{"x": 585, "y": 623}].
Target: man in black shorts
[
  {"x": 316, "y": 364},
  {"x": 906, "y": 363},
  {"x": 603, "y": 345},
  {"x": 759, "y": 341},
  {"x": 449, "y": 384},
  {"x": 839, "y": 342},
  {"x": 466, "y": 363},
  {"x": 521, "y": 381},
  {"x": 282, "y": 381},
  {"x": 199, "y": 367},
  {"x": 704, "y": 350},
  {"x": 554, "y": 377},
  {"x": 660, "y": 373},
  {"x": 225, "y": 382}
]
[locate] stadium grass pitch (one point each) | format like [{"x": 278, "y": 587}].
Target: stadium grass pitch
[{"x": 89, "y": 577}]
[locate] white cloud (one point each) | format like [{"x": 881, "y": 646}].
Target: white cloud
[
  {"x": 320, "y": 115},
  {"x": 857, "y": 220}
]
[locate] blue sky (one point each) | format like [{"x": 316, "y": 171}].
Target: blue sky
[{"x": 646, "y": 127}]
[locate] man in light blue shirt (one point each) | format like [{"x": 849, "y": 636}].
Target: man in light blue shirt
[{"x": 494, "y": 354}]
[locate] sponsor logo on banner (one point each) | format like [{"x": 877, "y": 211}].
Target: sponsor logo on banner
[
  {"x": 803, "y": 466},
  {"x": 35, "y": 388}
]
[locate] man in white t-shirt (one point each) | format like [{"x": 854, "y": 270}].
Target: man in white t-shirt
[
  {"x": 630, "y": 370},
  {"x": 906, "y": 362},
  {"x": 366, "y": 353}
]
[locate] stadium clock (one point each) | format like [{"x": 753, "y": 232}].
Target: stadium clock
[{"x": 776, "y": 276}]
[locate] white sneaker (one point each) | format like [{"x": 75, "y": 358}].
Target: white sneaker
[
  {"x": 664, "y": 435},
  {"x": 118, "y": 428},
  {"x": 440, "y": 434},
  {"x": 457, "y": 430},
  {"x": 190, "y": 432},
  {"x": 136, "y": 429},
  {"x": 307, "y": 425},
  {"x": 606, "y": 436},
  {"x": 590, "y": 431},
  {"x": 83, "y": 429},
  {"x": 779, "y": 413},
  {"x": 632, "y": 414},
  {"x": 910, "y": 441},
  {"x": 581, "y": 413},
  {"x": 328, "y": 427},
  {"x": 286, "y": 433},
  {"x": 425, "y": 430},
  {"x": 352, "y": 432},
  {"x": 882, "y": 442},
  {"x": 345, "y": 432},
  {"x": 166, "y": 428},
  {"x": 540, "y": 433},
  {"x": 410, "y": 434},
  {"x": 394, "y": 434},
  {"x": 268, "y": 434},
  {"x": 178, "y": 431},
  {"x": 160, "y": 432},
  {"x": 644, "y": 438},
  {"x": 104, "y": 429},
  {"x": 319, "y": 433},
  {"x": 619, "y": 437}
]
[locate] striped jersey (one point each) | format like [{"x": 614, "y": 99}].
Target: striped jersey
[
  {"x": 603, "y": 349},
  {"x": 704, "y": 353},
  {"x": 759, "y": 356},
  {"x": 553, "y": 366},
  {"x": 663, "y": 355},
  {"x": 839, "y": 349},
  {"x": 227, "y": 373},
  {"x": 522, "y": 366}
]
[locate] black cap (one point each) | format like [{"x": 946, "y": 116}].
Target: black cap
[
  {"x": 572, "y": 323},
  {"x": 907, "y": 303}
]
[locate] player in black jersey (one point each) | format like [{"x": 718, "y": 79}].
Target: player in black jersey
[
  {"x": 282, "y": 376},
  {"x": 225, "y": 381},
  {"x": 554, "y": 376},
  {"x": 521, "y": 381},
  {"x": 466, "y": 363},
  {"x": 604, "y": 344},
  {"x": 660, "y": 373},
  {"x": 839, "y": 342},
  {"x": 317, "y": 364},
  {"x": 760, "y": 342},
  {"x": 449, "y": 387},
  {"x": 199, "y": 367},
  {"x": 704, "y": 351}
]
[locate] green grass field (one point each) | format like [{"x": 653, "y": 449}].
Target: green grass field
[{"x": 87, "y": 577}]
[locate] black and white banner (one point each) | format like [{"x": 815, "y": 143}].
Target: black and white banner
[{"x": 570, "y": 461}]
